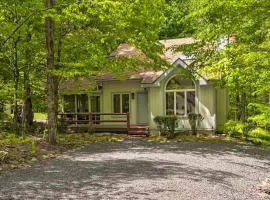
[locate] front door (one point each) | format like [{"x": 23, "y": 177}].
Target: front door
[{"x": 142, "y": 108}]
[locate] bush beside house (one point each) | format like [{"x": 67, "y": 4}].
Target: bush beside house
[{"x": 166, "y": 125}]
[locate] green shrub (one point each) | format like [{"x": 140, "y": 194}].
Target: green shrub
[
  {"x": 11, "y": 138},
  {"x": 194, "y": 121},
  {"x": 166, "y": 124},
  {"x": 11, "y": 127},
  {"x": 38, "y": 128},
  {"x": 260, "y": 133},
  {"x": 234, "y": 128},
  {"x": 5, "y": 116},
  {"x": 259, "y": 115},
  {"x": 62, "y": 125}
]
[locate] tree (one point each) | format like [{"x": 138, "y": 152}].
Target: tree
[
  {"x": 80, "y": 36},
  {"x": 178, "y": 23},
  {"x": 90, "y": 32},
  {"x": 51, "y": 79},
  {"x": 18, "y": 50},
  {"x": 233, "y": 46}
]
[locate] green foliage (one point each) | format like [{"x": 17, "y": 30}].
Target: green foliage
[
  {"x": 250, "y": 133},
  {"x": 177, "y": 23},
  {"x": 233, "y": 42},
  {"x": 11, "y": 138},
  {"x": 260, "y": 133},
  {"x": 101, "y": 26},
  {"x": 234, "y": 128},
  {"x": 4, "y": 116},
  {"x": 34, "y": 147},
  {"x": 10, "y": 127},
  {"x": 259, "y": 115},
  {"x": 159, "y": 120},
  {"x": 166, "y": 124},
  {"x": 38, "y": 128},
  {"x": 85, "y": 35},
  {"x": 194, "y": 121}
]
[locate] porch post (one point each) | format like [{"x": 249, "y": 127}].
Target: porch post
[
  {"x": 76, "y": 109},
  {"x": 128, "y": 121},
  {"x": 89, "y": 103},
  {"x": 90, "y": 120}
]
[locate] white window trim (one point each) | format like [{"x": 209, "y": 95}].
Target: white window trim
[
  {"x": 121, "y": 101},
  {"x": 185, "y": 99}
]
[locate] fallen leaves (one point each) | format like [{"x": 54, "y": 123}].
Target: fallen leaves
[
  {"x": 16, "y": 152},
  {"x": 264, "y": 188}
]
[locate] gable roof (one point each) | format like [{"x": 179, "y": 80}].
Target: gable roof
[
  {"x": 143, "y": 76},
  {"x": 127, "y": 50},
  {"x": 150, "y": 76},
  {"x": 170, "y": 55},
  {"x": 146, "y": 77}
]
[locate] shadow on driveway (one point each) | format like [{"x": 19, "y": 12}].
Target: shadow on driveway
[{"x": 141, "y": 170}]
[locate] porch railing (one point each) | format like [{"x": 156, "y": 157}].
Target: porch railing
[{"x": 94, "y": 119}]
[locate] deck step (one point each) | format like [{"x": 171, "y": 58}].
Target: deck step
[
  {"x": 138, "y": 133},
  {"x": 139, "y": 129}
]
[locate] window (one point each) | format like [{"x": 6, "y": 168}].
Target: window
[
  {"x": 117, "y": 103},
  {"x": 82, "y": 103},
  {"x": 170, "y": 103},
  {"x": 121, "y": 103},
  {"x": 69, "y": 103},
  {"x": 95, "y": 104},
  {"x": 180, "y": 97},
  {"x": 180, "y": 103}
]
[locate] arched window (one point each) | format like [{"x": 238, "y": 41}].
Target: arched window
[{"x": 180, "y": 96}]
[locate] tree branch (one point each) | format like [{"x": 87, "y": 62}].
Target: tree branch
[{"x": 30, "y": 16}]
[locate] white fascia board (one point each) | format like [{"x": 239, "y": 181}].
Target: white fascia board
[
  {"x": 203, "y": 82},
  {"x": 181, "y": 63},
  {"x": 178, "y": 63},
  {"x": 160, "y": 78}
]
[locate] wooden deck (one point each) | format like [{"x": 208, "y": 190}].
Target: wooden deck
[{"x": 94, "y": 122}]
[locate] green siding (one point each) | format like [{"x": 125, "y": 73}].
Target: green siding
[
  {"x": 112, "y": 87},
  {"x": 207, "y": 106},
  {"x": 210, "y": 102},
  {"x": 156, "y": 104},
  {"x": 222, "y": 108}
]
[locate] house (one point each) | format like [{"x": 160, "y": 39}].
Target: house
[{"x": 147, "y": 94}]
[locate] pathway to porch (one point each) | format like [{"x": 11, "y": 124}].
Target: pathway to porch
[{"x": 137, "y": 169}]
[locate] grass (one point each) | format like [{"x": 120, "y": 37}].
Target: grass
[
  {"x": 11, "y": 138},
  {"x": 40, "y": 116}
]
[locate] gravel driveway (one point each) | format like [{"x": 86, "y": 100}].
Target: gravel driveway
[{"x": 141, "y": 170}]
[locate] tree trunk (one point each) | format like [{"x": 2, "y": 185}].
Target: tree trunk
[
  {"x": 16, "y": 76},
  {"x": 28, "y": 116},
  {"x": 51, "y": 78}
]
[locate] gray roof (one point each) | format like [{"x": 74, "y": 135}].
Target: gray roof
[
  {"x": 170, "y": 55},
  {"x": 142, "y": 75}
]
